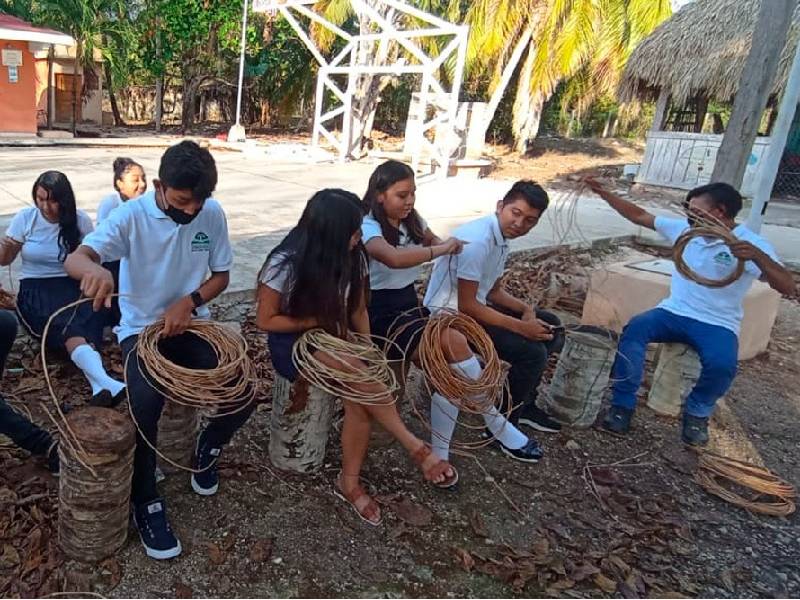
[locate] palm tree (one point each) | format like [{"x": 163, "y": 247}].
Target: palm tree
[
  {"x": 588, "y": 40},
  {"x": 87, "y": 21}
]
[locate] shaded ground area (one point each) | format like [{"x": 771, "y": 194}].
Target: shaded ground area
[{"x": 509, "y": 529}]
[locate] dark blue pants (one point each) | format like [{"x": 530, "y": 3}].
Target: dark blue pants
[
  {"x": 186, "y": 350},
  {"x": 528, "y": 361},
  {"x": 717, "y": 347},
  {"x": 22, "y": 432}
]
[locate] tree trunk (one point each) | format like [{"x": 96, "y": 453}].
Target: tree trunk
[
  {"x": 51, "y": 96},
  {"x": 755, "y": 84},
  {"x": 75, "y": 91},
  {"x": 369, "y": 86},
  {"x": 111, "y": 97},
  {"x": 701, "y": 109},
  {"x": 527, "y": 111},
  {"x": 299, "y": 434},
  {"x": 505, "y": 78},
  {"x": 190, "y": 86},
  {"x": 662, "y": 111},
  {"x": 159, "y": 108}
]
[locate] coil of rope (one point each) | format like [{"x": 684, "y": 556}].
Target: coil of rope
[
  {"x": 223, "y": 390},
  {"x": 374, "y": 383},
  {"x": 476, "y": 397},
  {"x": 713, "y": 469},
  {"x": 707, "y": 229}
]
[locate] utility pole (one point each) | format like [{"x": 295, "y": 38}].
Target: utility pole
[{"x": 237, "y": 133}]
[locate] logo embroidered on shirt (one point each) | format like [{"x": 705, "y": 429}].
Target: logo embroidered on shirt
[
  {"x": 201, "y": 242},
  {"x": 723, "y": 258}
]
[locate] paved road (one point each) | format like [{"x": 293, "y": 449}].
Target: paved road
[{"x": 263, "y": 198}]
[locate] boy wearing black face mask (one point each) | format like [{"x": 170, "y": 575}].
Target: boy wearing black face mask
[{"x": 168, "y": 242}]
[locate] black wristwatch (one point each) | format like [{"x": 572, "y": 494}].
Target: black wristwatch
[{"x": 197, "y": 299}]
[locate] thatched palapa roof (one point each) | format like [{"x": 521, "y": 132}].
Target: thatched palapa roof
[{"x": 700, "y": 52}]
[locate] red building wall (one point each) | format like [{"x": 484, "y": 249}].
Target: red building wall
[{"x": 18, "y": 100}]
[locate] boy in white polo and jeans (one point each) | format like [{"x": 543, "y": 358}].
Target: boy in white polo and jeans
[
  {"x": 705, "y": 318},
  {"x": 168, "y": 242}
]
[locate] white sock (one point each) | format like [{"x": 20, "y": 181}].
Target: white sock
[
  {"x": 509, "y": 436},
  {"x": 443, "y": 422},
  {"x": 89, "y": 361}
]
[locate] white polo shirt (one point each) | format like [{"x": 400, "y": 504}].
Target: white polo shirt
[
  {"x": 483, "y": 259},
  {"x": 39, "y": 239},
  {"x": 107, "y": 204},
  {"x": 712, "y": 259},
  {"x": 161, "y": 261},
  {"x": 382, "y": 277}
]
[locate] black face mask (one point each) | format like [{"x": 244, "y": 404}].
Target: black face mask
[
  {"x": 176, "y": 214},
  {"x": 180, "y": 217}
]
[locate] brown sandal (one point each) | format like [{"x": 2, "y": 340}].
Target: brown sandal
[
  {"x": 435, "y": 470},
  {"x": 356, "y": 498}
]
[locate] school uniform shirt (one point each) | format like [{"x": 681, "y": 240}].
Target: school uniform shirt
[
  {"x": 277, "y": 276},
  {"x": 107, "y": 204},
  {"x": 161, "y": 261},
  {"x": 382, "y": 277},
  {"x": 712, "y": 259},
  {"x": 39, "y": 239},
  {"x": 483, "y": 260}
]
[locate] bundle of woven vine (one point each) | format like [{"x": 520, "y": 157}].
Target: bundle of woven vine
[
  {"x": 354, "y": 368},
  {"x": 473, "y": 396},
  {"x": 221, "y": 390},
  {"x": 773, "y": 496},
  {"x": 707, "y": 228}
]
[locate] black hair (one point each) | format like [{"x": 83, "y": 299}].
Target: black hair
[
  {"x": 122, "y": 165},
  {"x": 530, "y": 191},
  {"x": 382, "y": 178},
  {"x": 187, "y": 166},
  {"x": 320, "y": 265},
  {"x": 58, "y": 188},
  {"x": 722, "y": 194}
]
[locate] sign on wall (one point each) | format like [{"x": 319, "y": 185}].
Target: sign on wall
[
  {"x": 13, "y": 75},
  {"x": 12, "y": 58}
]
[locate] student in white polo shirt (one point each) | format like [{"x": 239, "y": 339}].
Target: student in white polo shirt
[
  {"x": 43, "y": 235},
  {"x": 705, "y": 318},
  {"x": 398, "y": 242},
  {"x": 129, "y": 183},
  {"x": 472, "y": 283},
  {"x": 168, "y": 242}
]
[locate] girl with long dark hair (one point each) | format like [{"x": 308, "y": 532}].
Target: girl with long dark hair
[
  {"x": 398, "y": 241},
  {"x": 43, "y": 235},
  {"x": 317, "y": 277}
]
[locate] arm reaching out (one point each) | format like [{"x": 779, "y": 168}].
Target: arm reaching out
[{"x": 627, "y": 209}]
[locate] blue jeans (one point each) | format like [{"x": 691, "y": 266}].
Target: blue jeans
[{"x": 717, "y": 347}]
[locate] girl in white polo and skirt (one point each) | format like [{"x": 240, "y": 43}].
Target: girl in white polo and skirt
[{"x": 43, "y": 235}]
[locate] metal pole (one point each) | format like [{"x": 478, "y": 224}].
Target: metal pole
[
  {"x": 772, "y": 156},
  {"x": 237, "y": 133}
]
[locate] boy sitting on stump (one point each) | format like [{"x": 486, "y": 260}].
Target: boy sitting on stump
[
  {"x": 705, "y": 318},
  {"x": 167, "y": 241}
]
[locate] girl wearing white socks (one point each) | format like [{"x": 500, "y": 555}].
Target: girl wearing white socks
[
  {"x": 44, "y": 234},
  {"x": 398, "y": 242}
]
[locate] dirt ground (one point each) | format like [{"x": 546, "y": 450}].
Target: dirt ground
[
  {"x": 639, "y": 526},
  {"x": 509, "y": 529}
]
